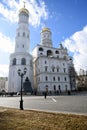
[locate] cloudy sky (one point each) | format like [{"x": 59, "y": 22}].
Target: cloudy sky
[{"x": 67, "y": 20}]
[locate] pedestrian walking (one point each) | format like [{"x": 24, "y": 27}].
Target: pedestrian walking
[{"x": 45, "y": 95}]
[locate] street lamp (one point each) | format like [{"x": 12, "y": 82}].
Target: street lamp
[{"x": 21, "y": 74}]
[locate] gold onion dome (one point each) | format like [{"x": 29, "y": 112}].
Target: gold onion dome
[
  {"x": 45, "y": 30},
  {"x": 24, "y": 10}
]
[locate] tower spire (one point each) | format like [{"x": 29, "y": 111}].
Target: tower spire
[{"x": 24, "y": 3}]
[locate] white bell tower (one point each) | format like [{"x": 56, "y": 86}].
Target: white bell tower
[
  {"x": 22, "y": 35},
  {"x": 21, "y": 58},
  {"x": 46, "y": 37}
]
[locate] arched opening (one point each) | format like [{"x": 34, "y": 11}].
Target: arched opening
[
  {"x": 49, "y": 53},
  {"x": 23, "y": 61},
  {"x": 58, "y": 78},
  {"x": 14, "y": 61},
  {"x": 54, "y": 78},
  {"x": 40, "y": 49},
  {"x": 46, "y": 78},
  {"x": 59, "y": 89},
  {"x": 23, "y": 34},
  {"x": 65, "y": 78},
  {"x": 53, "y": 68},
  {"x": 57, "y": 52},
  {"x": 54, "y": 87},
  {"x": 41, "y": 53},
  {"x": 57, "y": 68}
]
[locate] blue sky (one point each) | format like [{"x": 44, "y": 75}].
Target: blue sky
[{"x": 67, "y": 20}]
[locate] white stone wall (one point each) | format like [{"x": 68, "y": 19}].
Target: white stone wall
[
  {"x": 60, "y": 65},
  {"x": 21, "y": 51},
  {"x": 14, "y": 79}
]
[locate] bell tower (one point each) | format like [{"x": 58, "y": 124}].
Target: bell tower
[
  {"x": 21, "y": 58},
  {"x": 22, "y": 34},
  {"x": 46, "y": 39}
]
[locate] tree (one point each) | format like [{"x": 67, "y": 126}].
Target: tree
[{"x": 72, "y": 75}]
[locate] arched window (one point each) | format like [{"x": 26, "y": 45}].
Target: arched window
[
  {"x": 46, "y": 78},
  {"x": 65, "y": 78},
  {"x": 40, "y": 49},
  {"x": 52, "y": 69},
  {"x": 54, "y": 87},
  {"x": 14, "y": 61},
  {"x": 23, "y": 34},
  {"x": 49, "y": 53},
  {"x": 70, "y": 59},
  {"x": 63, "y": 64},
  {"x": 46, "y": 68},
  {"x": 57, "y": 69},
  {"x": 18, "y": 34},
  {"x": 45, "y": 61},
  {"x": 53, "y": 78},
  {"x": 64, "y": 70},
  {"x": 58, "y": 78},
  {"x": 41, "y": 53},
  {"x": 23, "y": 45},
  {"x": 57, "y": 52},
  {"x": 27, "y": 35},
  {"x": 39, "y": 79},
  {"x": 44, "y": 36},
  {"x": 59, "y": 87},
  {"x": 23, "y": 61}
]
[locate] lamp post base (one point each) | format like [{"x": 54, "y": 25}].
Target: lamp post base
[{"x": 21, "y": 105}]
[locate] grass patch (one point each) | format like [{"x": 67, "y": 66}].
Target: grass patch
[{"x": 14, "y": 119}]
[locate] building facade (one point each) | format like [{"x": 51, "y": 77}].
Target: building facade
[
  {"x": 3, "y": 84},
  {"x": 51, "y": 65},
  {"x": 21, "y": 58},
  {"x": 47, "y": 67},
  {"x": 81, "y": 81}
]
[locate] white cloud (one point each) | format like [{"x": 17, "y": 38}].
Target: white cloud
[
  {"x": 9, "y": 11},
  {"x": 77, "y": 44},
  {"x": 37, "y": 10},
  {"x": 6, "y": 45},
  {"x": 4, "y": 70}
]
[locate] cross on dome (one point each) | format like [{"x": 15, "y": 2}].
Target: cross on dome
[
  {"x": 24, "y": 3},
  {"x": 24, "y": 9}
]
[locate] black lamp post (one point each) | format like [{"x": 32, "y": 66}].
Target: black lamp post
[{"x": 21, "y": 74}]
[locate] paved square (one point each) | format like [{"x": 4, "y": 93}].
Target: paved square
[{"x": 67, "y": 104}]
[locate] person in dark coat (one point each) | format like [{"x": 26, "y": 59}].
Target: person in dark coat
[{"x": 45, "y": 95}]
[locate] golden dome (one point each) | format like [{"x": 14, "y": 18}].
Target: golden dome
[
  {"x": 24, "y": 10},
  {"x": 45, "y": 30}
]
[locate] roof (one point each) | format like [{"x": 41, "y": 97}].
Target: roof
[
  {"x": 45, "y": 30},
  {"x": 24, "y": 10}
]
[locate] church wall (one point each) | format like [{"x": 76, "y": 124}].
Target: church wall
[
  {"x": 61, "y": 64},
  {"x": 50, "y": 86}
]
